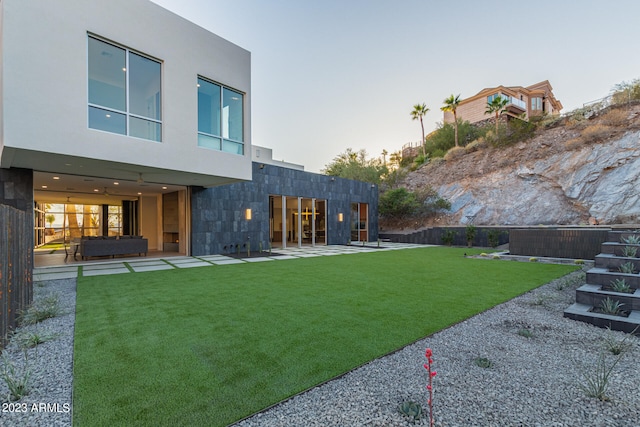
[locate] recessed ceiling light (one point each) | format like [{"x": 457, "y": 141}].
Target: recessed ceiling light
[
  {"x": 164, "y": 188},
  {"x": 116, "y": 183},
  {"x": 44, "y": 186},
  {"x": 108, "y": 115},
  {"x": 56, "y": 177},
  {"x": 139, "y": 193},
  {"x": 96, "y": 190}
]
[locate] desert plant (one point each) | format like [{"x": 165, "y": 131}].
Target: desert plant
[
  {"x": 476, "y": 145},
  {"x": 610, "y": 306},
  {"x": 524, "y": 332},
  {"x": 596, "y": 132},
  {"x": 620, "y": 285},
  {"x": 496, "y": 257},
  {"x": 17, "y": 380},
  {"x": 631, "y": 240},
  {"x": 482, "y": 362},
  {"x": 533, "y": 259},
  {"x": 454, "y": 153},
  {"x": 30, "y": 339},
  {"x": 615, "y": 117},
  {"x": 617, "y": 346},
  {"x": 579, "y": 261},
  {"x": 429, "y": 355},
  {"x": 45, "y": 309},
  {"x": 411, "y": 410},
  {"x": 448, "y": 236},
  {"x": 596, "y": 379},
  {"x": 629, "y": 251},
  {"x": 627, "y": 267}
]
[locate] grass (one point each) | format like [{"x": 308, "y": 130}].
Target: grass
[{"x": 211, "y": 345}]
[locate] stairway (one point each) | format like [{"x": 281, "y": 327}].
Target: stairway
[{"x": 606, "y": 270}]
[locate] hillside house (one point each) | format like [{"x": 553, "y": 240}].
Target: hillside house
[{"x": 528, "y": 101}]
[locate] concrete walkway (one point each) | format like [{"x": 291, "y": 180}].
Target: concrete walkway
[{"x": 129, "y": 265}]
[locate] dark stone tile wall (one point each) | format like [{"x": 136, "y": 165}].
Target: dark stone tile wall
[
  {"x": 217, "y": 214},
  {"x": 16, "y": 246},
  {"x": 16, "y": 188}
]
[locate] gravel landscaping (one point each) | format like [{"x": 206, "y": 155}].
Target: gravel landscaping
[{"x": 537, "y": 362}]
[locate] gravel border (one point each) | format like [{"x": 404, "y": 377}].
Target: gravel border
[
  {"x": 49, "y": 402},
  {"x": 533, "y": 381}
]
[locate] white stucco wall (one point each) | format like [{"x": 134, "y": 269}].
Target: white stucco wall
[{"x": 43, "y": 79}]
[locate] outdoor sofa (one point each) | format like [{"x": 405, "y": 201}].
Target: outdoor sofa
[{"x": 112, "y": 246}]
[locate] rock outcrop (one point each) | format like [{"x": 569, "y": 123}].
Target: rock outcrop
[{"x": 558, "y": 177}]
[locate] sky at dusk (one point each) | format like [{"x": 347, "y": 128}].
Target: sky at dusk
[{"x": 335, "y": 74}]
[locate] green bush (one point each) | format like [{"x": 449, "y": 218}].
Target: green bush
[
  {"x": 448, "y": 236},
  {"x": 398, "y": 203},
  {"x": 442, "y": 139}
]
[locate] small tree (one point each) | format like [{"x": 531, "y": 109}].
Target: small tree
[
  {"x": 497, "y": 106},
  {"x": 470, "y": 233},
  {"x": 355, "y": 165},
  {"x": 418, "y": 112}
]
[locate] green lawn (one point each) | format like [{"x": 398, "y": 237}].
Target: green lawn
[{"x": 211, "y": 345}]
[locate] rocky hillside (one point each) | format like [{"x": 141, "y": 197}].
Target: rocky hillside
[{"x": 576, "y": 172}]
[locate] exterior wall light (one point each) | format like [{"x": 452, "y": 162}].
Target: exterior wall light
[
  {"x": 340, "y": 217},
  {"x": 247, "y": 214}
]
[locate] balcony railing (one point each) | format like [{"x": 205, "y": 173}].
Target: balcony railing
[{"x": 518, "y": 103}]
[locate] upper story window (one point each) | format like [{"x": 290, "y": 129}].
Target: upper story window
[
  {"x": 536, "y": 103},
  {"x": 495, "y": 95},
  {"x": 220, "y": 117},
  {"x": 124, "y": 91}
]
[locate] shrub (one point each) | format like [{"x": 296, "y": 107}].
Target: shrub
[
  {"x": 579, "y": 261},
  {"x": 595, "y": 133},
  {"x": 476, "y": 145},
  {"x": 533, "y": 259},
  {"x": 41, "y": 310},
  {"x": 29, "y": 339},
  {"x": 493, "y": 236},
  {"x": 483, "y": 362},
  {"x": 448, "y": 236},
  {"x": 401, "y": 203},
  {"x": 470, "y": 234},
  {"x": 454, "y": 153},
  {"x": 524, "y": 332},
  {"x": 615, "y": 117}
]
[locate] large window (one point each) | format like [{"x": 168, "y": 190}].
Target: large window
[
  {"x": 124, "y": 91},
  {"x": 220, "y": 117},
  {"x": 536, "y": 103}
]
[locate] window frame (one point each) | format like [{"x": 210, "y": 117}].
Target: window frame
[
  {"x": 128, "y": 115},
  {"x": 222, "y": 126}
]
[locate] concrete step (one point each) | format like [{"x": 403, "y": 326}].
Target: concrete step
[
  {"x": 617, "y": 249},
  {"x": 603, "y": 277},
  {"x": 594, "y": 294},
  {"x": 581, "y": 312},
  {"x": 612, "y": 262}
]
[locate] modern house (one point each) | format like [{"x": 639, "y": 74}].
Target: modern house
[
  {"x": 528, "y": 101},
  {"x": 134, "y": 121}
]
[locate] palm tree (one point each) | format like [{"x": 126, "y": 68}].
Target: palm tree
[
  {"x": 497, "y": 105},
  {"x": 451, "y": 105},
  {"x": 418, "y": 112}
]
